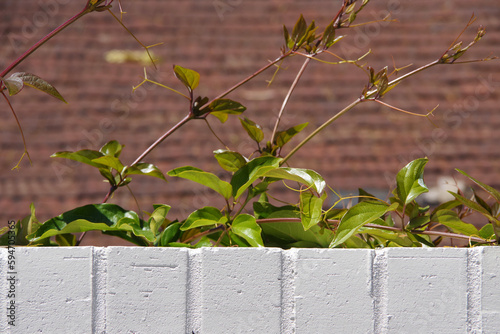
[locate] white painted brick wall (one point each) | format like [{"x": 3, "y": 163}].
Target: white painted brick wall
[{"x": 247, "y": 290}]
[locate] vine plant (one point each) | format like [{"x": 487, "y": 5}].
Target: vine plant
[{"x": 248, "y": 217}]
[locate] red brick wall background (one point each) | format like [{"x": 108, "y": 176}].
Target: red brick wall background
[{"x": 225, "y": 41}]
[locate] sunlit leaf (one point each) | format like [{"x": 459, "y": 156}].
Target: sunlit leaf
[
  {"x": 254, "y": 130},
  {"x": 221, "y": 108},
  {"x": 451, "y": 220},
  {"x": 188, "y": 77},
  {"x": 252, "y": 171},
  {"x": 307, "y": 177},
  {"x": 230, "y": 160},
  {"x": 206, "y": 216},
  {"x": 410, "y": 180},
  {"x": 357, "y": 216},
  {"x": 144, "y": 169},
  {"x": 158, "y": 217},
  {"x": 109, "y": 161},
  {"x": 245, "y": 226},
  {"x": 83, "y": 156},
  {"x": 283, "y": 137},
  {"x": 207, "y": 179},
  {"x": 99, "y": 217},
  {"x": 112, "y": 149},
  {"x": 311, "y": 208}
]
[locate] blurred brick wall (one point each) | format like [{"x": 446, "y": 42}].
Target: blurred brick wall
[{"x": 225, "y": 41}]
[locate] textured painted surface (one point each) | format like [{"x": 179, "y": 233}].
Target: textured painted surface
[{"x": 267, "y": 290}]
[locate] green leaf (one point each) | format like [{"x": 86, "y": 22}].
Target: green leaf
[
  {"x": 490, "y": 190},
  {"x": 188, "y": 77},
  {"x": 398, "y": 238},
  {"x": 112, "y": 149},
  {"x": 418, "y": 221},
  {"x": 283, "y": 137},
  {"x": 249, "y": 173},
  {"x": 230, "y": 160},
  {"x": 265, "y": 209},
  {"x": 245, "y": 226},
  {"x": 305, "y": 176},
  {"x": 206, "y": 216},
  {"x": 144, "y": 169},
  {"x": 299, "y": 29},
  {"x": 14, "y": 85},
  {"x": 170, "y": 234},
  {"x": 311, "y": 209},
  {"x": 221, "y": 108},
  {"x": 109, "y": 161},
  {"x": 410, "y": 180},
  {"x": 357, "y": 216},
  {"x": 329, "y": 35},
  {"x": 476, "y": 207},
  {"x": 157, "y": 218},
  {"x": 254, "y": 130},
  {"x": 33, "y": 81},
  {"x": 487, "y": 232},
  {"x": 284, "y": 234},
  {"x": 207, "y": 179},
  {"x": 83, "y": 156},
  {"x": 66, "y": 240},
  {"x": 451, "y": 220},
  {"x": 100, "y": 217}
]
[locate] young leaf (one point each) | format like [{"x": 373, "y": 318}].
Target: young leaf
[
  {"x": 328, "y": 35},
  {"x": 245, "y": 226},
  {"x": 170, "y": 234},
  {"x": 14, "y": 85},
  {"x": 112, "y": 149},
  {"x": 248, "y": 174},
  {"x": 254, "y": 130},
  {"x": 109, "y": 161},
  {"x": 305, "y": 176},
  {"x": 451, "y": 220},
  {"x": 157, "y": 218},
  {"x": 410, "y": 180},
  {"x": 144, "y": 169},
  {"x": 310, "y": 209},
  {"x": 490, "y": 190},
  {"x": 357, "y": 216},
  {"x": 487, "y": 232},
  {"x": 207, "y": 179},
  {"x": 33, "y": 81},
  {"x": 83, "y": 156},
  {"x": 230, "y": 160},
  {"x": 221, "y": 108},
  {"x": 283, "y": 137},
  {"x": 206, "y": 216},
  {"x": 299, "y": 29},
  {"x": 188, "y": 77}
]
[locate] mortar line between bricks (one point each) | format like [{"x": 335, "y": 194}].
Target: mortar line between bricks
[
  {"x": 474, "y": 285},
  {"x": 194, "y": 292},
  {"x": 288, "y": 272},
  {"x": 99, "y": 288},
  {"x": 379, "y": 291}
]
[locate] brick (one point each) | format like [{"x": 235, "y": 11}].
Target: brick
[
  {"x": 333, "y": 291},
  {"x": 54, "y": 290},
  {"x": 146, "y": 290},
  {"x": 426, "y": 290},
  {"x": 241, "y": 290}
]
